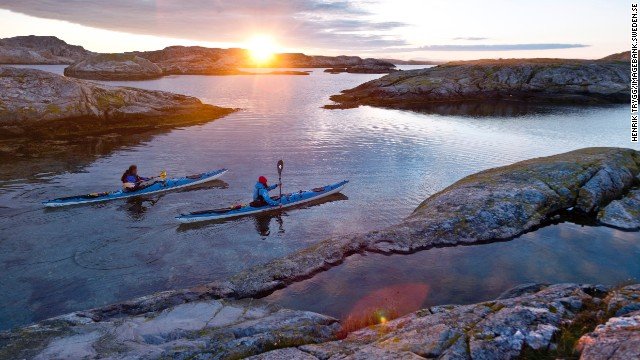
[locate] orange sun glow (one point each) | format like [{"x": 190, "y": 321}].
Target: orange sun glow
[{"x": 261, "y": 48}]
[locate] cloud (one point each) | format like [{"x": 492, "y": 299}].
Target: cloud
[
  {"x": 471, "y": 38},
  {"x": 336, "y": 24},
  {"x": 497, "y": 47}
]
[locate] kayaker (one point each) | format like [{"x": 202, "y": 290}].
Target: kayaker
[
  {"x": 131, "y": 181},
  {"x": 261, "y": 193}
]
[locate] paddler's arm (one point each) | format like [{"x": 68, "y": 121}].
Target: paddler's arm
[
  {"x": 272, "y": 187},
  {"x": 265, "y": 195}
]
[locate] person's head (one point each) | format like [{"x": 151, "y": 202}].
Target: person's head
[
  {"x": 133, "y": 170},
  {"x": 262, "y": 180}
]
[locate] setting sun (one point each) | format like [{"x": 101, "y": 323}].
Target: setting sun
[{"x": 261, "y": 48}]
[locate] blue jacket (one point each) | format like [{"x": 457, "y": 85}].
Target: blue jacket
[
  {"x": 126, "y": 177},
  {"x": 260, "y": 191}
]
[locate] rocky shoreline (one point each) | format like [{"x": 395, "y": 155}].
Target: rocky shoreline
[
  {"x": 543, "y": 81},
  {"x": 534, "y": 320},
  {"x": 43, "y": 105},
  {"x": 219, "y": 320}
]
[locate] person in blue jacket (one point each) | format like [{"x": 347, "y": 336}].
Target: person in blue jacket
[
  {"x": 131, "y": 181},
  {"x": 261, "y": 193}
]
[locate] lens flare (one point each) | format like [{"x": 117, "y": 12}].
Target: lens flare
[{"x": 261, "y": 48}]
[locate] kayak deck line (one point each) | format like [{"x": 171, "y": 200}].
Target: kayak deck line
[
  {"x": 288, "y": 200},
  {"x": 158, "y": 187}
]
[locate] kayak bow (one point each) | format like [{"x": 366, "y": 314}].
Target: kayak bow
[
  {"x": 287, "y": 200},
  {"x": 160, "y": 186}
]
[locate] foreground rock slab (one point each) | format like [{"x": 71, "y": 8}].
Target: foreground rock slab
[
  {"x": 496, "y": 204},
  {"x": 511, "y": 80},
  {"x": 42, "y": 104},
  {"x": 210, "y": 329},
  {"x": 537, "y": 321}
]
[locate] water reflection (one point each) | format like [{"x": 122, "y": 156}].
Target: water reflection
[
  {"x": 263, "y": 222},
  {"x": 136, "y": 207},
  {"x": 28, "y": 160},
  {"x": 494, "y": 108},
  {"x": 564, "y": 252}
]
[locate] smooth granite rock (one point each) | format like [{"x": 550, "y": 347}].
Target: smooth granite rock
[
  {"x": 211, "y": 329},
  {"x": 623, "y": 213},
  {"x": 38, "y": 102},
  {"x": 39, "y": 50},
  {"x": 512, "y": 80},
  {"x": 114, "y": 67}
]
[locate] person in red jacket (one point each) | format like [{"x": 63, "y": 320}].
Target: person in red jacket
[{"x": 261, "y": 193}]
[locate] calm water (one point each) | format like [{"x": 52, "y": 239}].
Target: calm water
[
  {"x": 468, "y": 274},
  {"x": 55, "y": 261}
]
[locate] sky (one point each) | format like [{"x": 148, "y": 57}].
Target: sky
[{"x": 401, "y": 29}]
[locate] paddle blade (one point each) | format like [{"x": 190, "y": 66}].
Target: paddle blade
[
  {"x": 280, "y": 167},
  {"x": 163, "y": 174}
]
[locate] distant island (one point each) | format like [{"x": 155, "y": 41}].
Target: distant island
[
  {"x": 172, "y": 60},
  {"x": 413, "y": 62},
  {"x": 557, "y": 81}
]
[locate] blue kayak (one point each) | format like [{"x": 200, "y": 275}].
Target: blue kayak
[
  {"x": 159, "y": 186},
  {"x": 287, "y": 200}
]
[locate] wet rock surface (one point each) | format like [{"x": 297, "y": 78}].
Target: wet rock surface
[
  {"x": 512, "y": 80},
  {"x": 210, "y": 329},
  {"x": 39, "y": 50},
  {"x": 36, "y": 103},
  {"x": 624, "y": 213},
  {"x": 496, "y": 204},
  {"x": 114, "y": 67}
]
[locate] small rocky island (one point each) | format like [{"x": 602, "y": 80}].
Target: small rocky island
[
  {"x": 114, "y": 67},
  {"x": 544, "y": 81},
  {"x": 222, "y": 320},
  {"x": 39, "y": 50},
  {"x": 40, "y": 104}
]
